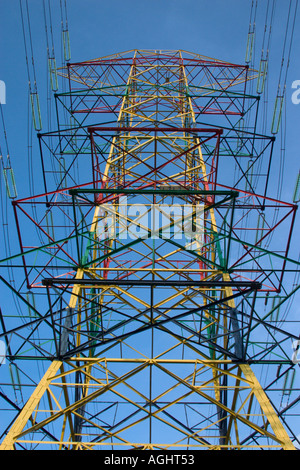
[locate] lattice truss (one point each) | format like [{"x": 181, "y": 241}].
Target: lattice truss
[{"x": 154, "y": 340}]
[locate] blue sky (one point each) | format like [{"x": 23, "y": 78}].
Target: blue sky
[{"x": 215, "y": 28}]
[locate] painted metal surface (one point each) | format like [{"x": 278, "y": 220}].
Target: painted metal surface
[{"x": 143, "y": 346}]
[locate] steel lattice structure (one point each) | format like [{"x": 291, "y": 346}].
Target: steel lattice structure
[{"x": 151, "y": 341}]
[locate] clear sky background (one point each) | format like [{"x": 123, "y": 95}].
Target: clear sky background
[{"x": 215, "y": 28}]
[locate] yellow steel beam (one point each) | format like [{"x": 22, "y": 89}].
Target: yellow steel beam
[{"x": 24, "y": 417}]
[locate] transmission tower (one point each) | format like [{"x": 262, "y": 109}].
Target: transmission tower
[{"x": 150, "y": 258}]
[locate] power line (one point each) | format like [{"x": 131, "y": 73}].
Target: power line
[
  {"x": 281, "y": 89},
  {"x": 32, "y": 82}
]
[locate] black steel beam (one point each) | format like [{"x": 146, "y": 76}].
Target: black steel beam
[{"x": 121, "y": 282}]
